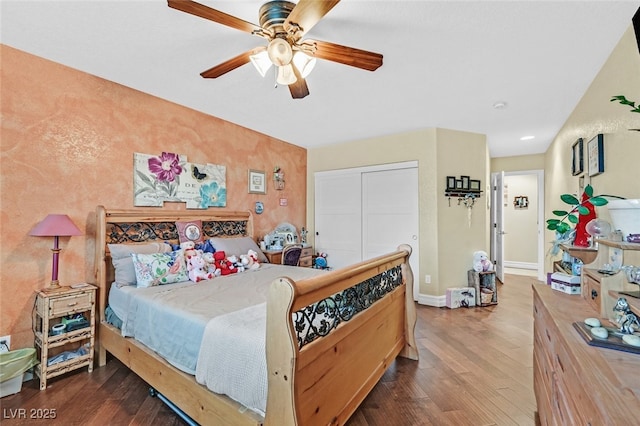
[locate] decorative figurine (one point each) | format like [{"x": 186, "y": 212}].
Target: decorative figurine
[
  {"x": 625, "y": 317},
  {"x": 303, "y": 235}
]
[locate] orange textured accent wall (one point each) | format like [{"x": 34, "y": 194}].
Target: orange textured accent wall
[{"x": 67, "y": 145}]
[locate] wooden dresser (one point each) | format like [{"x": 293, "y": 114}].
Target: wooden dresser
[{"x": 574, "y": 383}]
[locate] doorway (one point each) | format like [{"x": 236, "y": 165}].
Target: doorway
[{"x": 517, "y": 228}]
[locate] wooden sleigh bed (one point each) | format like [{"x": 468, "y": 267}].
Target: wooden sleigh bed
[{"x": 318, "y": 383}]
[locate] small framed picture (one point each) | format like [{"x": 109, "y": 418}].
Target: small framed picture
[
  {"x": 257, "y": 182},
  {"x": 465, "y": 182},
  {"x": 474, "y": 185},
  {"x": 451, "y": 182},
  {"x": 595, "y": 149},
  {"x": 577, "y": 157},
  {"x": 459, "y": 184}
]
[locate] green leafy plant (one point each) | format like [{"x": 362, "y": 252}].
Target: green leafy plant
[
  {"x": 624, "y": 101},
  {"x": 569, "y": 218}
]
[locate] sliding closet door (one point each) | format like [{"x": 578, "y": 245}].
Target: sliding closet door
[
  {"x": 390, "y": 214},
  {"x": 338, "y": 217}
]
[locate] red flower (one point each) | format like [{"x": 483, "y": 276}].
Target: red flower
[{"x": 166, "y": 167}]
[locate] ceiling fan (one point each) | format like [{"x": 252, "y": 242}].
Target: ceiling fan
[{"x": 283, "y": 24}]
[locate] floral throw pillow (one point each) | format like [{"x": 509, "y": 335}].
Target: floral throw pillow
[{"x": 160, "y": 268}]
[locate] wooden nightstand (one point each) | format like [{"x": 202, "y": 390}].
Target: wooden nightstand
[
  {"x": 49, "y": 312},
  {"x": 306, "y": 256}
]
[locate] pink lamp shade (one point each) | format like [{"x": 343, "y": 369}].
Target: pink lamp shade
[{"x": 55, "y": 225}]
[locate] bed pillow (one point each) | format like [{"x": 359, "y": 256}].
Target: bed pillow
[
  {"x": 125, "y": 274},
  {"x": 238, "y": 246},
  {"x": 160, "y": 268}
]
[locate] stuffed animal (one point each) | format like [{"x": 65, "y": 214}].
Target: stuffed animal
[
  {"x": 223, "y": 264},
  {"x": 210, "y": 263},
  {"x": 235, "y": 263},
  {"x": 250, "y": 260},
  {"x": 481, "y": 262},
  {"x": 189, "y": 248},
  {"x": 197, "y": 268}
]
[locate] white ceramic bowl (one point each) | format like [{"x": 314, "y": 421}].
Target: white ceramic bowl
[{"x": 625, "y": 215}]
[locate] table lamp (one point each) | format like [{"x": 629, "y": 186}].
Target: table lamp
[{"x": 55, "y": 225}]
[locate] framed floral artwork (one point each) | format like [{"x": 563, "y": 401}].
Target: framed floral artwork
[{"x": 168, "y": 177}]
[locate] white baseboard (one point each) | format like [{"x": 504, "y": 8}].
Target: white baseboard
[
  {"x": 520, "y": 265},
  {"x": 430, "y": 300}
]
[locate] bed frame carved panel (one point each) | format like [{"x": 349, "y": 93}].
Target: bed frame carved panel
[{"x": 372, "y": 319}]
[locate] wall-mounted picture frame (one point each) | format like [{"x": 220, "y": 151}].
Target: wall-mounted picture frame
[
  {"x": 465, "y": 182},
  {"x": 474, "y": 185},
  {"x": 451, "y": 182},
  {"x": 577, "y": 157},
  {"x": 521, "y": 202},
  {"x": 595, "y": 150},
  {"x": 257, "y": 182},
  {"x": 459, "y": 184}
]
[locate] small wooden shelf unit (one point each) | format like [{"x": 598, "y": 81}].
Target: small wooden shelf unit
[
  {"x": 50, "y": 307},
  {"x": 484, "y": 281}
]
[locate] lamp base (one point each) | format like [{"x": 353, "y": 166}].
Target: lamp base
[{"x": 53, "y": 287}]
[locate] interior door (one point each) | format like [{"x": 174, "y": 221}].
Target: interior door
[
  {"x": 497, "y": 225},
  {"x": 390, "y": 215},
  {"x": 338, "y": 217}
]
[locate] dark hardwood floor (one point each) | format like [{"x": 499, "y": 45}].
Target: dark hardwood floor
[{"x": 475, "y": 368}]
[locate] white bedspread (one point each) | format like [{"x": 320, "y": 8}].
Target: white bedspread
[
  {"x": 171, "y": 319},
  {"x": 233, "y": 358}
]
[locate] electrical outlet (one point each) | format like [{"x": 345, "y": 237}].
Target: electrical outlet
[
  {"x": 427, "y": 279},
  {"x": 5, "y": 340}
]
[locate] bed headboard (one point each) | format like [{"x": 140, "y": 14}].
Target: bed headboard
[{"x": 149, "y": 225}]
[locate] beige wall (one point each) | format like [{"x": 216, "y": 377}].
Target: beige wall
[
  {"x": 517, "y": 163},
  {"x": 446, "y": 240},
  {"x": 67, "y": 145},
  {"x": 595, "y": 114}
]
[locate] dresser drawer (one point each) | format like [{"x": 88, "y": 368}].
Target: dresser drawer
[
  {"x": 305, "y": 262},
  {"x": 306, "y": 252},
  {"x": 70, "y": 304},
  {"x": 591, "y": 291}
]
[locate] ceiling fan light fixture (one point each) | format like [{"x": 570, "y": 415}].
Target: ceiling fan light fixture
[
  {"x": 286, "y": 75},
  {"x": 261, "y": 62},
  {"x": 280, "y": 52},
  {"x": 304, "y": 63}
]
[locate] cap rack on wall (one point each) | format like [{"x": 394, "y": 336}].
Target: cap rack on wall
[{"x": 465, "y": 189}]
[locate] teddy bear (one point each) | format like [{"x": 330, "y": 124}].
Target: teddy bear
[
  {"x": 234, "y": 261},
  {"x": 189, "y": 248},
  {"x": 481, "y": 262},
  {"x": 210, "y": 263},
  {"x": 197, "y": 268},
  {"x": 223, "y": 264},
  {"x": 250, "y": 260}
]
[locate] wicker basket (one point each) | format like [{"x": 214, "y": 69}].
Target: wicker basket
[{"x": 486, "y": 296}]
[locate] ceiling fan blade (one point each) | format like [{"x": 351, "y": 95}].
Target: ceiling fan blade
[
  {"x": 298, "y": 89},
  {"x": 307, "y": 13},
  {"x": 214, "y": 15},
  {"x": 347, "y": 55},
  {"x": 231, "y": 64}
]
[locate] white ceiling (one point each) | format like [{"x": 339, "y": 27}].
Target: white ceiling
[{"x": 446, "y": 63}]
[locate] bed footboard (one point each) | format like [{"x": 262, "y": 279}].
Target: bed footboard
[{"x": 348, "y": 327}]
